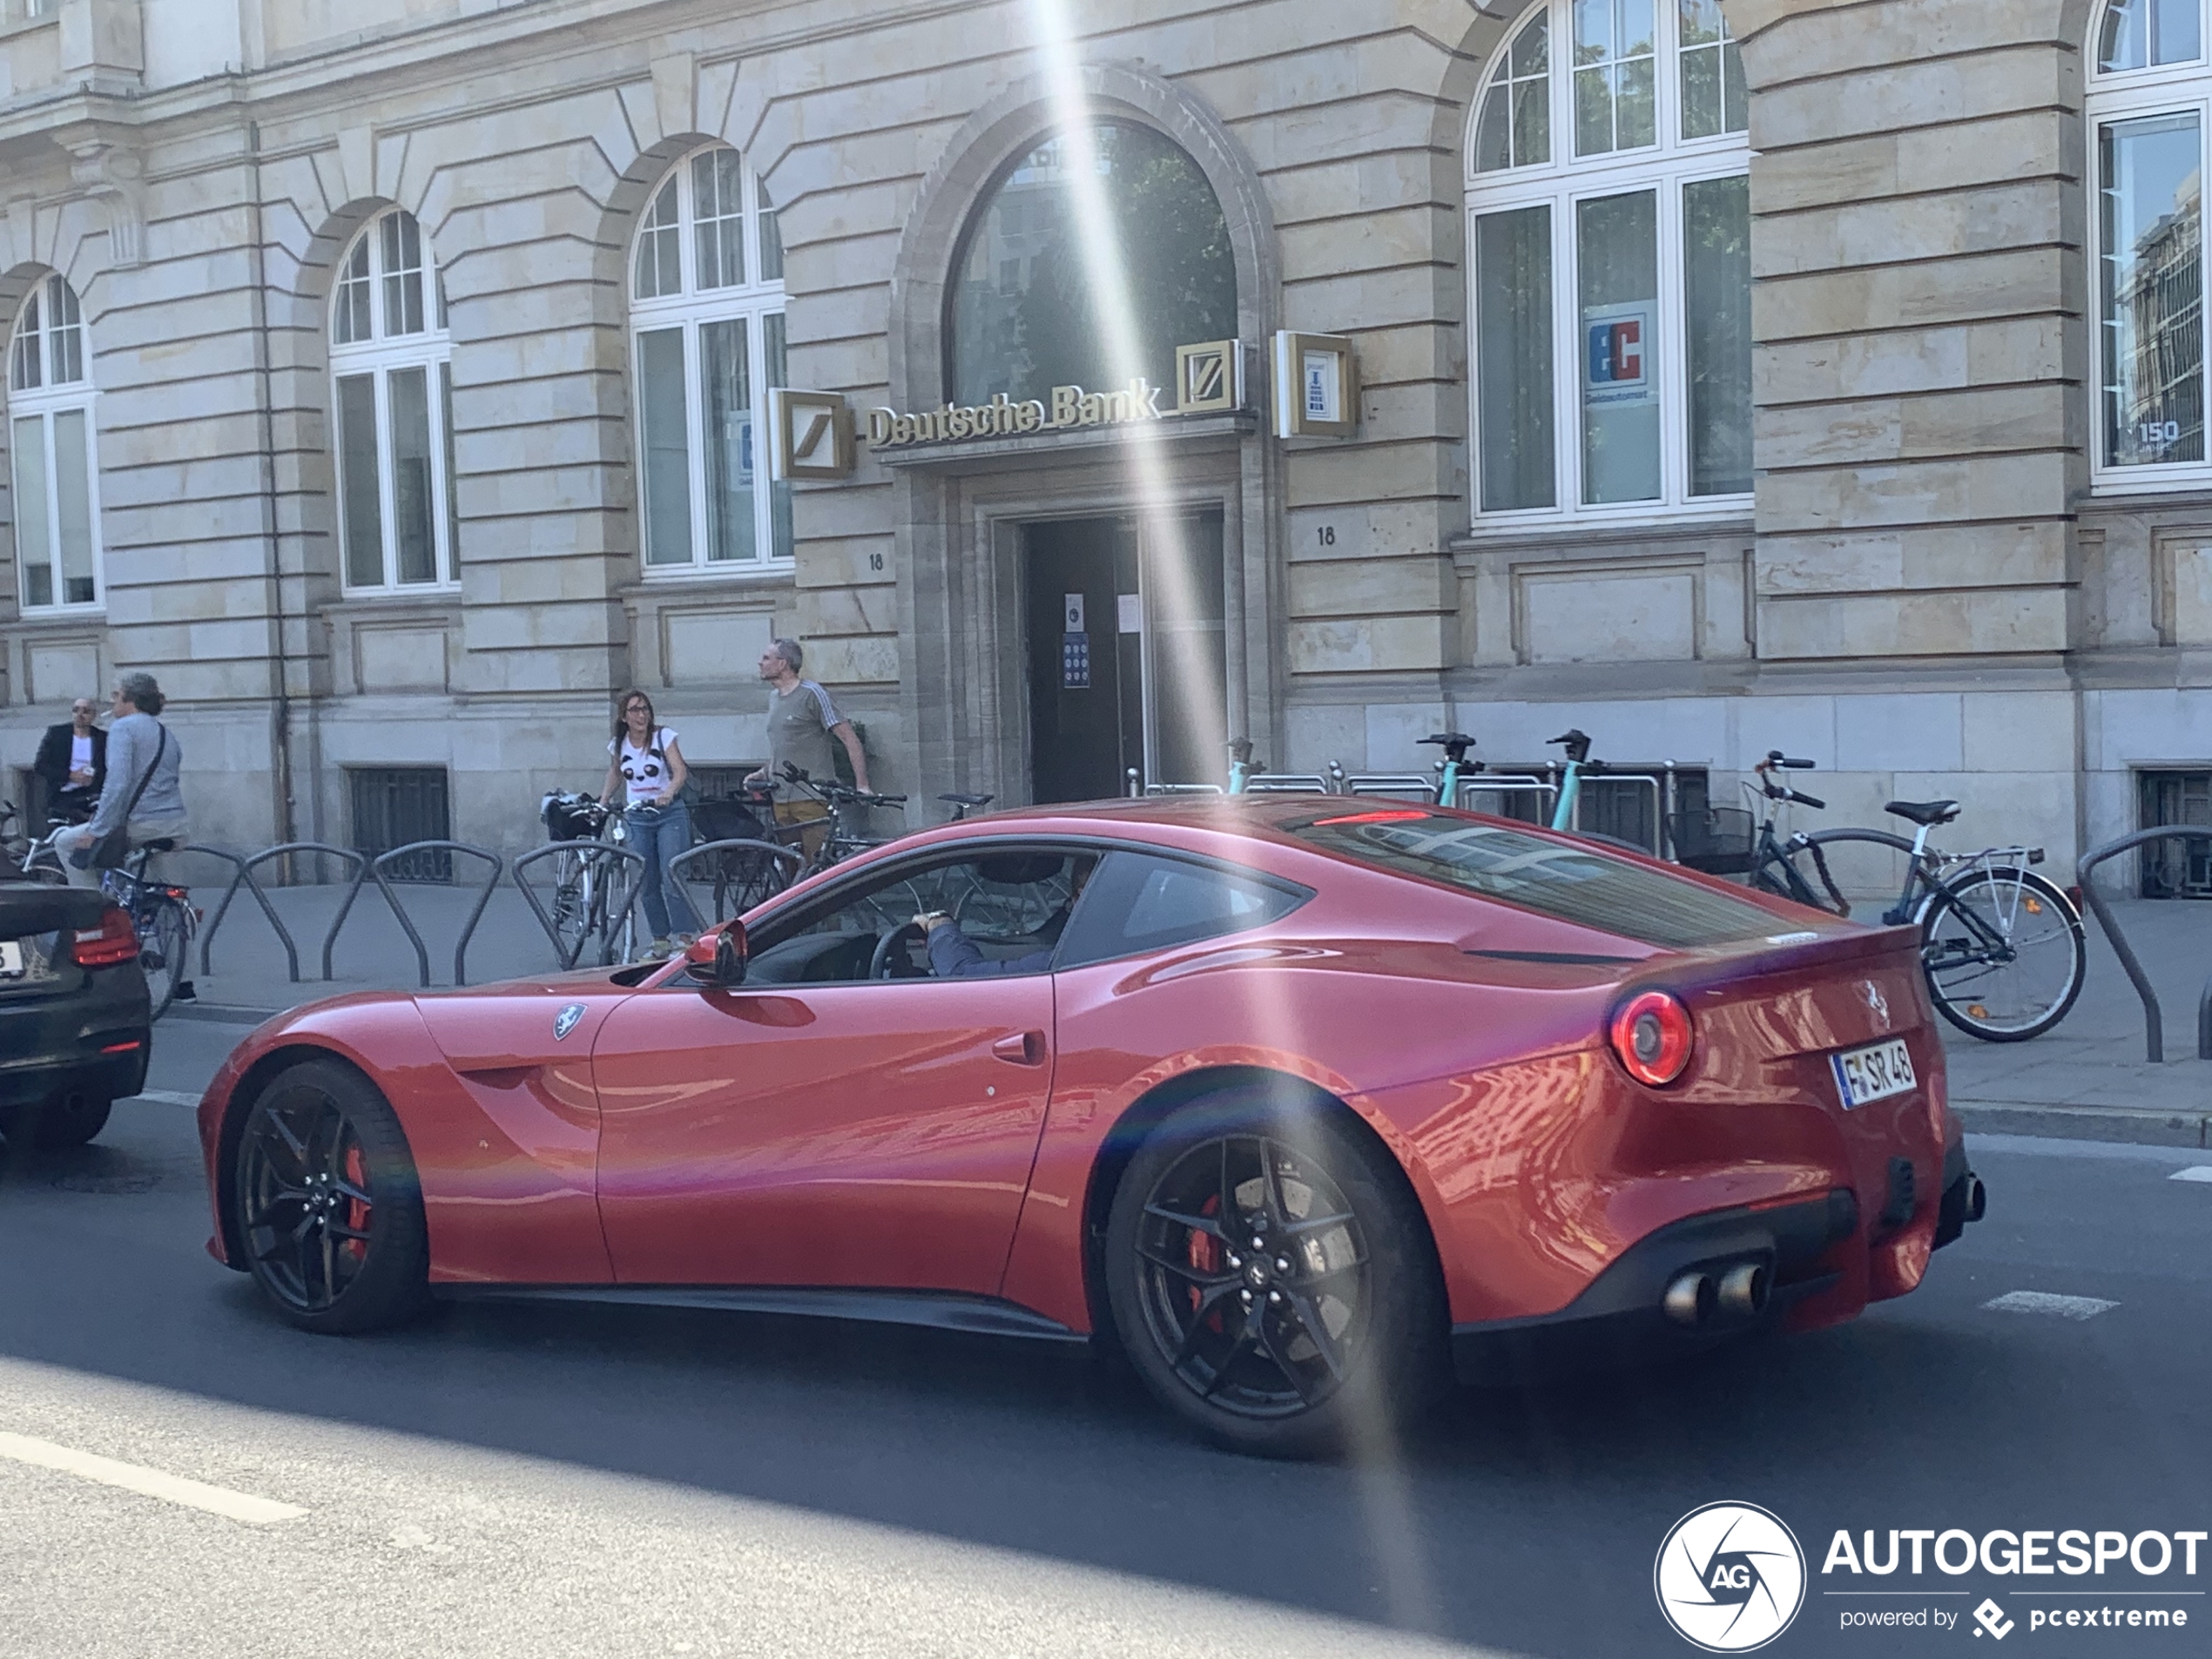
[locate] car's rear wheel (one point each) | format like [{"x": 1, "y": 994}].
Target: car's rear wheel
[
  {"x": 1271, "y": 1278},
  {"x": 68, "y": 1119},
  {"x": 329, "y": 1207}
]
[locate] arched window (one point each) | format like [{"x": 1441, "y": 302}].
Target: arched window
[
  {"x": 51, "y": 444},
  {"x": 1026, "y": 313},
  {"x": 706, "y": 311},
  {"x": 2148, "y": 93},
  {"x": 391, "y": 407},
  {"x": 1610, "y": 263}
]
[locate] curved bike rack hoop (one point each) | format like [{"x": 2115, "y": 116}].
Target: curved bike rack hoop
[
  {"x": 586, "y": 849},
  {"x": 468, "y": 928},
  {"x": 360, "y": 862},
  {"x": 782, "y": 854},
  {"x": 245, "y": 878},
  {"x": 2154, "y": 1020}
]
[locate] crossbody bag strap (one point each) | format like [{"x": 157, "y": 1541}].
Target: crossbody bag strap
[{"x": 145, "y": 777}]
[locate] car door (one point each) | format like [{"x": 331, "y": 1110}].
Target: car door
[{"x": 816, "y": 1126}]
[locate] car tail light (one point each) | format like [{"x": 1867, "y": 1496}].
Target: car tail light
[
  {"x": 114, "y": 941},
  {"x": 1653, "y": 1036}
]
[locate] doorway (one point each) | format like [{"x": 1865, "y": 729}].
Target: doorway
[{"x": 1127, "y": 663}]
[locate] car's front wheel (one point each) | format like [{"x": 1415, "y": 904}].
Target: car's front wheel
[
  {"x": 1271, "y": 1278},
  {"x": 329, "y": 1207}
]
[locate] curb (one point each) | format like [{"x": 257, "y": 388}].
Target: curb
[
  {"x": 2085, "y": 1123},
  {"x": 217, "y": 1013}
]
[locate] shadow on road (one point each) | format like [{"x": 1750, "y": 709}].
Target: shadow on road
[{"x": 1484, "y": 1525}]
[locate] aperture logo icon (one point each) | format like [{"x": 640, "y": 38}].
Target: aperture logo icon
[{"x": 1730, "y": 1577}]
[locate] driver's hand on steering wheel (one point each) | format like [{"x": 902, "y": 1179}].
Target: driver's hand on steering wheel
[{"x": 929, "y": 920}]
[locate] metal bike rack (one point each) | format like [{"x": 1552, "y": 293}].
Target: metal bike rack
[
  {"x": 604, "y": 850},
  {"x": 682, "y": 860},
  {"x": 245, "y": 878},
  {"x": 468, "y": 928},
  {"x": 1286, "y": 783},
  {"x": 359, "y": 860},
  {"x": 1504, "y": 783},
  {"x": 1393, "y": 786},
  {"x": 2154, "y": 1020},
  {"x": 1183, "y": 789}
]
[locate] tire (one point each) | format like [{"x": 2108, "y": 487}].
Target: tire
[
  {"x": 67, "y": 1120},
  {"x": 328, "y": 1205},
  {"x": 165, "y": 954},
  {"x": 2014, "y": 1000},
  {"x": 1250, "y": 1374},
  {"x": 570, "y": 924}
]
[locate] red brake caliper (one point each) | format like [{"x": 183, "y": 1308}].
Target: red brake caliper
[
  {"x": 356, "y": 1212},
  {"x": 1205, "y": 1253}
]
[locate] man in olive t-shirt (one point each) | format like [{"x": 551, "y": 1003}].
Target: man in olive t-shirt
[{"x": 802, "y": 720}]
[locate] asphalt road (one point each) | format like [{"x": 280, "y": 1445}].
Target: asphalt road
[{"x": 541, "y": 1480}]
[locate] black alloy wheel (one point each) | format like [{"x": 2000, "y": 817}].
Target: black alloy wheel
[
  {"x": 329, "y": 1205},
  {"x": 1272, "y": 1280}
]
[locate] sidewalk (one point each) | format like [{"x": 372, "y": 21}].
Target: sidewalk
[{"x": 2086, "y": 1081}]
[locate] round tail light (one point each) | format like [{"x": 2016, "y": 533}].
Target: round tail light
[{"x": 1653, "y": 1036}]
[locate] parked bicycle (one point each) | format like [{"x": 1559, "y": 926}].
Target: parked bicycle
[
  {"x": 586, "y": 883},
  {"x": 2002, "y": 947},
  {"x": 161, "y": 914},
  {"x": 848, "y": 810}
]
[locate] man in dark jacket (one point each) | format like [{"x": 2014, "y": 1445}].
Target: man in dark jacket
[{"x": 73, "y": 758}]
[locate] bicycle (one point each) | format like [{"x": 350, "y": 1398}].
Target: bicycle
[
  {"x": 165, "y": 921},
  {"x": 844, "y": 802},
  {"x": 581, "y": 879},
  {"x": 2002, "y": 949}
]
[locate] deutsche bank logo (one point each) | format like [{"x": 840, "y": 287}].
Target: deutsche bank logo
[
  {"x": 1730, "y": 1577},
  {"x": 1616, "y": 352}
]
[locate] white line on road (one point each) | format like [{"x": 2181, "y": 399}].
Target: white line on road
[
  {"x": 2064, "y": 1307},
  {"x": 166, "y": 1097},
  {"x": 151, "y": 1483},
  {"x": 2201, "y": 1172}
]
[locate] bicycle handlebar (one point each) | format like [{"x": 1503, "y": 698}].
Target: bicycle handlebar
[
  {"x": 830, "y": 789},
  {"x": 1776, "y": 757},
  {"x": 1813, "y": 802}
]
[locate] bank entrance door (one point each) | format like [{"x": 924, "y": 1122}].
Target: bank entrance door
[{"x": 1127, "y": 654}]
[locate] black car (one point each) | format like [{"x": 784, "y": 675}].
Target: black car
[{"x": 76, "y": 1023}]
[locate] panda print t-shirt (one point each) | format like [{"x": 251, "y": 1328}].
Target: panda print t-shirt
[{"x": 644, "y": 771}]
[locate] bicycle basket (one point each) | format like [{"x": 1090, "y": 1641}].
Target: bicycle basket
[
  {"x": 569, "y": 819},
  {"x": 1716, "y": 840}
]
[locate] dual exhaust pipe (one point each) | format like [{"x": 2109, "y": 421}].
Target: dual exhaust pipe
[{"x": 1704, "y": 1295}]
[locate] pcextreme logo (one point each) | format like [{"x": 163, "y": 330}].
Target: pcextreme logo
[{"x": 1730, "y": 1577}]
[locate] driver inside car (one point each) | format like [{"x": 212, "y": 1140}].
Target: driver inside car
[{"x": 953, "y": 955}]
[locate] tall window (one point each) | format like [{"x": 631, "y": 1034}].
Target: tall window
[
  {"x": 2150, "y": 87},
  {"x": 50, "y": 448},
  {"x": 706, "y": 311},
  {"x": 392, "y": 411},
  {"x": 1026, "y": 309},
  {"x": 1609, "y": 261}
]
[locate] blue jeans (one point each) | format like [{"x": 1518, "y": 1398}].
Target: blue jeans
[{"x": 660, "y": 833}]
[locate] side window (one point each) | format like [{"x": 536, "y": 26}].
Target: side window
[
  {"x": 1011, "y": 906},
  {"x": 1141, "y": 902}
]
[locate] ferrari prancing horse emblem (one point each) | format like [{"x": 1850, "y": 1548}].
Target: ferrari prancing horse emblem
[{"x": 565, "y": 1020}]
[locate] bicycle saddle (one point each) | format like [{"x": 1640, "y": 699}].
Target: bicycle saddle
[
  {"x": 968, "y": 800},
  {"x": 1924, "y": 813}
]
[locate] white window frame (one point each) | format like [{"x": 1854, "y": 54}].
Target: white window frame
[
  {"x": 44, "y": 403},
  {"x": 377, "y": 356},
  {"x": 2128, "y": 95},
  {"x": 751, "y": 301},
  {"x": 1668, "y": 167}
]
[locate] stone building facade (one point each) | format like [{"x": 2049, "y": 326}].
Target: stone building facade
[{"x": 1731, "y": 374}]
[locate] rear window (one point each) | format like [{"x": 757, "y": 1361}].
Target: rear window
[{"x": 1590, "y": 888}]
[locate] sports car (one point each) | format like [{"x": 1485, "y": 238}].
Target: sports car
[{"x": 1305, "y": 1104}]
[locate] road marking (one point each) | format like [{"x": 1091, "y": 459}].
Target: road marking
[
  {"x": 166, "y": 1097},
  {"x": 151, "y": 1483},
  {"x": 2064, "y": 1307},
  {"x": 2201, "y": 1172}
]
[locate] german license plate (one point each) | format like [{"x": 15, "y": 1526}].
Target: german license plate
[
  {"x": 1873, "y": 1073},
  {"x": 10, "y": 959}
]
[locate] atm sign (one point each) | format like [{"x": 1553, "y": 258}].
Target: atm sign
[{"x": 1616, "y": 352}]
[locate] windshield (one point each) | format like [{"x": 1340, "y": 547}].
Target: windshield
[{"x": 1574, "y": 884}]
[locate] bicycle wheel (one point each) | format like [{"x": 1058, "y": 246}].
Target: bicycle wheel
[
  {"x": 570, "y": 907},
  {"x": 164, "y": 950},
  {"x": 2004, "y": 953}
]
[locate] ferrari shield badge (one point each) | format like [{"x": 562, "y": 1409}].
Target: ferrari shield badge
[{"x": 565, "y": 1020}]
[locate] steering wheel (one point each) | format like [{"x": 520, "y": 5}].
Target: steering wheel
[{"x": 881, "y": 964}]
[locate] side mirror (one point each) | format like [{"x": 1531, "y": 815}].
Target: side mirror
[{"x": 717, "y": 958}]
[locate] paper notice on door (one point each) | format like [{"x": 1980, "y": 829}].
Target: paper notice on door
[{"x": 1131, "y": 607}]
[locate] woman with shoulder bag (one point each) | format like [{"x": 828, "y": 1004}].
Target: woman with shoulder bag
[
  {"x": 142, "y": 799},
  {"x": 645, "y": 757}
]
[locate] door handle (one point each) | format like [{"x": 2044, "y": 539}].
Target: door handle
[{"x": 1023, "y": 1048}]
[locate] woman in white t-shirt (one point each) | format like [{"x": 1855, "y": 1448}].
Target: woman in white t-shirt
[{"x": 644, "y": 759}]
